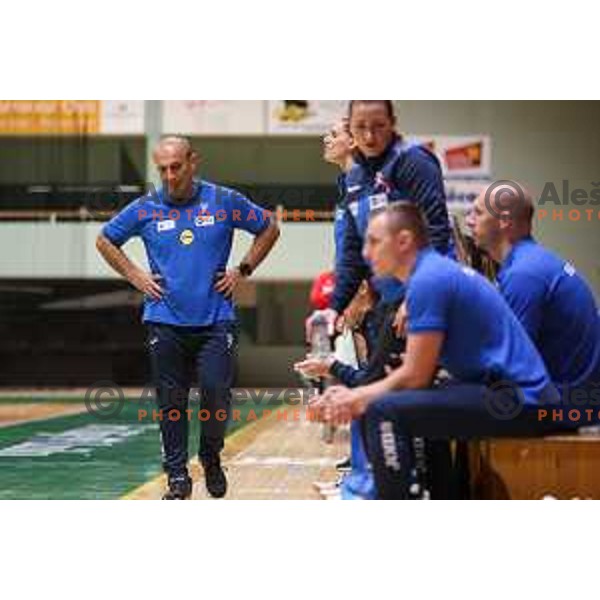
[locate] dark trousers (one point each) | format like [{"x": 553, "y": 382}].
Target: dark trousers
[
  {"x": 179, "y": 357},
  {"x": 453, "y": 411}
]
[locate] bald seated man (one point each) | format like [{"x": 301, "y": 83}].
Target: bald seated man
[
  {"x": 457, "y": 319},
  {"x": 187, "y": 227},
  {"x": 547, "y": 294}
]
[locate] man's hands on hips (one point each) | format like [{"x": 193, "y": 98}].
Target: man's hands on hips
[
  {"x": 339, "y": 405},
  {"x": 147, "y": 283},
  {"x": 228, "y": 281}
]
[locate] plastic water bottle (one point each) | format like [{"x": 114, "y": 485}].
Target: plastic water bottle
[
  {"x": 320, "y": 340},
  {"x": 321, "y": 348}
]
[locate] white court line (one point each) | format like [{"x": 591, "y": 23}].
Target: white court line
[
  {"x": 282, "y": 461},
  {"x": 39, "y": 419}
]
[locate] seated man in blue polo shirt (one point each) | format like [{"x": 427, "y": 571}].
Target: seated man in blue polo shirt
[
  {"x": 456, "y": 319},
  {"x": 187, "y": 228},
  {"x": 547, "y": 294}
]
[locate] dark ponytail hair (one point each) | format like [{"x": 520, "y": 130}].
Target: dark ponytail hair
[{"x": 388, "y": 104}]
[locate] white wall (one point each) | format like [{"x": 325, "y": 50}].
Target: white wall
[{"x": 67, "y": 250}]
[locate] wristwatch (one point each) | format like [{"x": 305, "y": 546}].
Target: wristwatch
[{"x": 245, "y": 269}]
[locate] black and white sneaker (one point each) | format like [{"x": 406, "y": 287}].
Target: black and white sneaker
[
  {"x": 344, "y": 465},
  {"x": 180, "y": 488},
  {"x": 216, "y": 482}
]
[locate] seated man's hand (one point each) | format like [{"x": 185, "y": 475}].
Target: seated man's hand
[
  {"x": 314, "y": 367},
  {"x": 338, "y": 405}
]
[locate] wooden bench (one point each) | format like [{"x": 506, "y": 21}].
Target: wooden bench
[{"x": 563, "y": 467}]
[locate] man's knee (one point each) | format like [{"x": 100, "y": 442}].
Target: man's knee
[{"x": 384, "y": 407}]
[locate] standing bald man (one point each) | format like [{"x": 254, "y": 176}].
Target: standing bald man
[
  {"x": 550, "y": 298},
  {"x": 187, "y": 229}
]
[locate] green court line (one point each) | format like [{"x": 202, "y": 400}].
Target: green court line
[{"x": 106, "y": 469}]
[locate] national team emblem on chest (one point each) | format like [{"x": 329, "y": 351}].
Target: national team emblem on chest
[
  {"x": 377, "y": 202},
  {"x": 165, "y": 225},
  {"x": 204, "y": 220},
  {"x": 186, "y": 237}
]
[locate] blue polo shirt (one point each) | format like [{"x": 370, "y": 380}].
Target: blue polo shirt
[
  {"x": 188, "y": 244},
  {"x": 484, "y": 342},
  {"x": 557, "y": 309}
]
